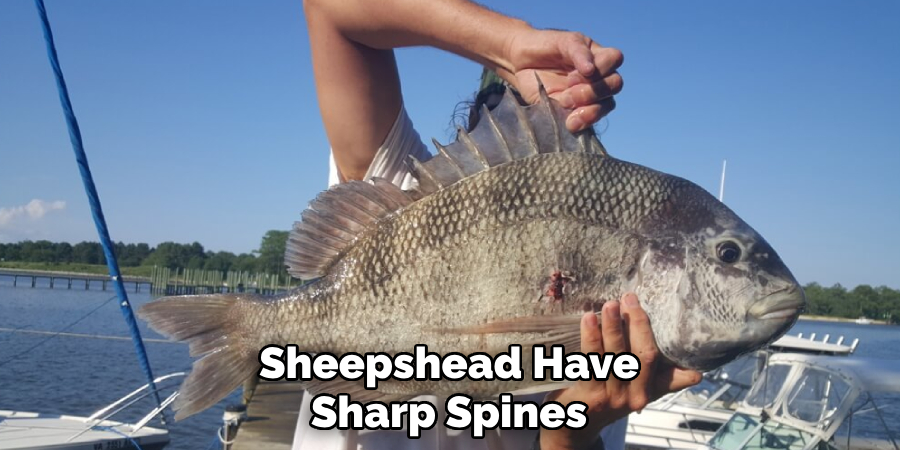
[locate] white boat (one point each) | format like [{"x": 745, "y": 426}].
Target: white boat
[
  {"x": 32, "y": 431},
  {"x": 863, "y": 320},
  {"x": 809, "y": 402},
  {"x": 689, "y": 418}
]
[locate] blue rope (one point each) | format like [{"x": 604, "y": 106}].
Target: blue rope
[{"x": 94, "y": 200}]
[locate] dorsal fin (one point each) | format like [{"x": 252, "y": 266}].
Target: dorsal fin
[
  {"x": 510, "y": 132},
  {"x": 335, "y": 219},
  {"x": 338, "y": 216},
  {"x": 546, "y": 131}
]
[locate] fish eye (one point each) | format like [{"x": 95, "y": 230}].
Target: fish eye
[{"x": 728, "y": 252}]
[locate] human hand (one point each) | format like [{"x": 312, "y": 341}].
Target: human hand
[
  {"x": 624, "y": 327},
  {"x": 575, "y": 70}
]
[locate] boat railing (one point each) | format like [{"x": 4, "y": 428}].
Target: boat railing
[
  {"x": 109, "y": 411},
  {"x": 839, "y": 342},
  {"x": 716, "y": 395}
]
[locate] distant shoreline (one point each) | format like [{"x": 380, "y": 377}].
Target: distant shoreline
[
  {"x": 66, "y": 273},
  {"x": 61, "y": 269},
  {"x": 38, "y": 268},
  {"x": 839, "y": 319}
]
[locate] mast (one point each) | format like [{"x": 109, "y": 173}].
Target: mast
[{"x": 722, "y": 182}]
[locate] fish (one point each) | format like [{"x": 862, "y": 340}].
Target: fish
[{"x": 508, "y": 236}]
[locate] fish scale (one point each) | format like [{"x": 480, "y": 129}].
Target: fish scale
[
  {"x": 437, "y": 267},
  {"x": 509, "y": 236}
]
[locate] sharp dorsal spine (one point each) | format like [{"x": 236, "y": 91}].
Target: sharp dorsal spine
[{"x": 337, "y": 217}]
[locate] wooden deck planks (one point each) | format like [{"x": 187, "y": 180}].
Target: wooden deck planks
[{"x": 271, "y": 417}]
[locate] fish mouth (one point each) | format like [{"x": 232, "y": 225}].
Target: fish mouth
[{"x": 782, "y": 304}]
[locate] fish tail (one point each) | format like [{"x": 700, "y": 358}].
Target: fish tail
[{"x": 212, "y": 327}]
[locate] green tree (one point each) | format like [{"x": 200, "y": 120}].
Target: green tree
[
  {"x": 271, "y": 252},
  {"x": 10, "y": 252},
  {"x": 245, "y": 262},
  {"x": 174, "y": 255},
  {"x": 62, "y": 252},
  {"x": 88, "y": 253},
  {"x": 132, "y": 255},
  {"x": 221, "y": 261}
]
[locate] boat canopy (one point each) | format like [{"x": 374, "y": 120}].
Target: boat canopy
[{"x": 873, "y": 375}]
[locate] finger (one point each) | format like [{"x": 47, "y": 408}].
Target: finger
[
  {"x": 591, "y": 338},
  {"x": 640, "y": 338},
  {"x": 606, "y": 59},
  {"x": 584, "y": 94},
  {"x": 586, "y": 116},
  {"x": 578, "y": 49},
  {"x": 612, "y": 328},
  {"x": 637, "y": 324},
  {"x": 683, "y": 378},
  {"x": 614, "y": 342},
  {"x": 591, "y": 341}
]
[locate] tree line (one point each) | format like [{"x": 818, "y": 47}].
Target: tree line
[
  {"x": 880, "y": 302},
  {"x": 269, "y": 258},
  {"x": 836, "y": 301}
]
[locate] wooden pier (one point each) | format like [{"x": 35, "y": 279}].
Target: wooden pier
[
  {"x": 271, "y": 417},
  {"x": 65, "y": 280},
  {"x": 162, "y": 281},
  {"x": 167, "y": 281}
]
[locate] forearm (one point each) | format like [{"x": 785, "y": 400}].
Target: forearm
[
  {"x": 457, "y": 26},
  {"x": 359, "y": 88},
  {"x": 356, "y": 76}
]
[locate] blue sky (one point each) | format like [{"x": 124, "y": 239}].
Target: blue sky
[{"x": 201, "y": 124}]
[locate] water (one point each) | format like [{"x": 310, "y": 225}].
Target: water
[{"x": 69, "y": 375}]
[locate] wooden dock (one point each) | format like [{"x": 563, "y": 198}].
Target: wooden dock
[
  {"x": 271, "y": 417},
  {"x": 163, "y": 281},
  {"x": 167, "y": 281},
  {"x": 66, "y": 280}
]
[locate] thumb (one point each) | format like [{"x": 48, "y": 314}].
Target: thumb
[
  {"x": 683, "y": 378},
  {"x": 577, "y": 49}
]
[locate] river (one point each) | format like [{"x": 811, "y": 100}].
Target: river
[{"x": 71, "y": 375}]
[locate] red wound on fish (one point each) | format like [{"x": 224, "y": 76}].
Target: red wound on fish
[{"x": 556, "y": 288}]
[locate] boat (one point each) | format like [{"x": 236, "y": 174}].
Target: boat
[
  {"x": 863, "y": 320},
  {"x": 806, "y": 402},
  {"x": 31, "y": 431},
  {"x": 689, "y": 418}
]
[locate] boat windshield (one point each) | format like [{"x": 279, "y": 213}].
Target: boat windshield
[
  {"x": 766, "y": 389},
  {"x": 745, "y": 432},
  {"x": 816, "y": 396},
  {"x": 813, "y": 398},
  {"x": 725, "y": 387},
  {"x": 742, "y": 371}
]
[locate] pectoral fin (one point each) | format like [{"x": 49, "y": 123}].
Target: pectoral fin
[
  {"x": 553, "y": 330},
  {"x": 355, "y": 389}
]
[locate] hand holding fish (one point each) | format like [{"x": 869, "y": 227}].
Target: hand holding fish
[
  {"x": 575, "y": 70},
  {"x": 358, "y": 84},
  {"x": 625, "y": 327}
]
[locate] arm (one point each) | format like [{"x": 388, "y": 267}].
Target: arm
[{"x": 356, "y": 73}]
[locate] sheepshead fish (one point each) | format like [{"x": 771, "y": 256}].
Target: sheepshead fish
[{"x": 511, "y": 234}]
